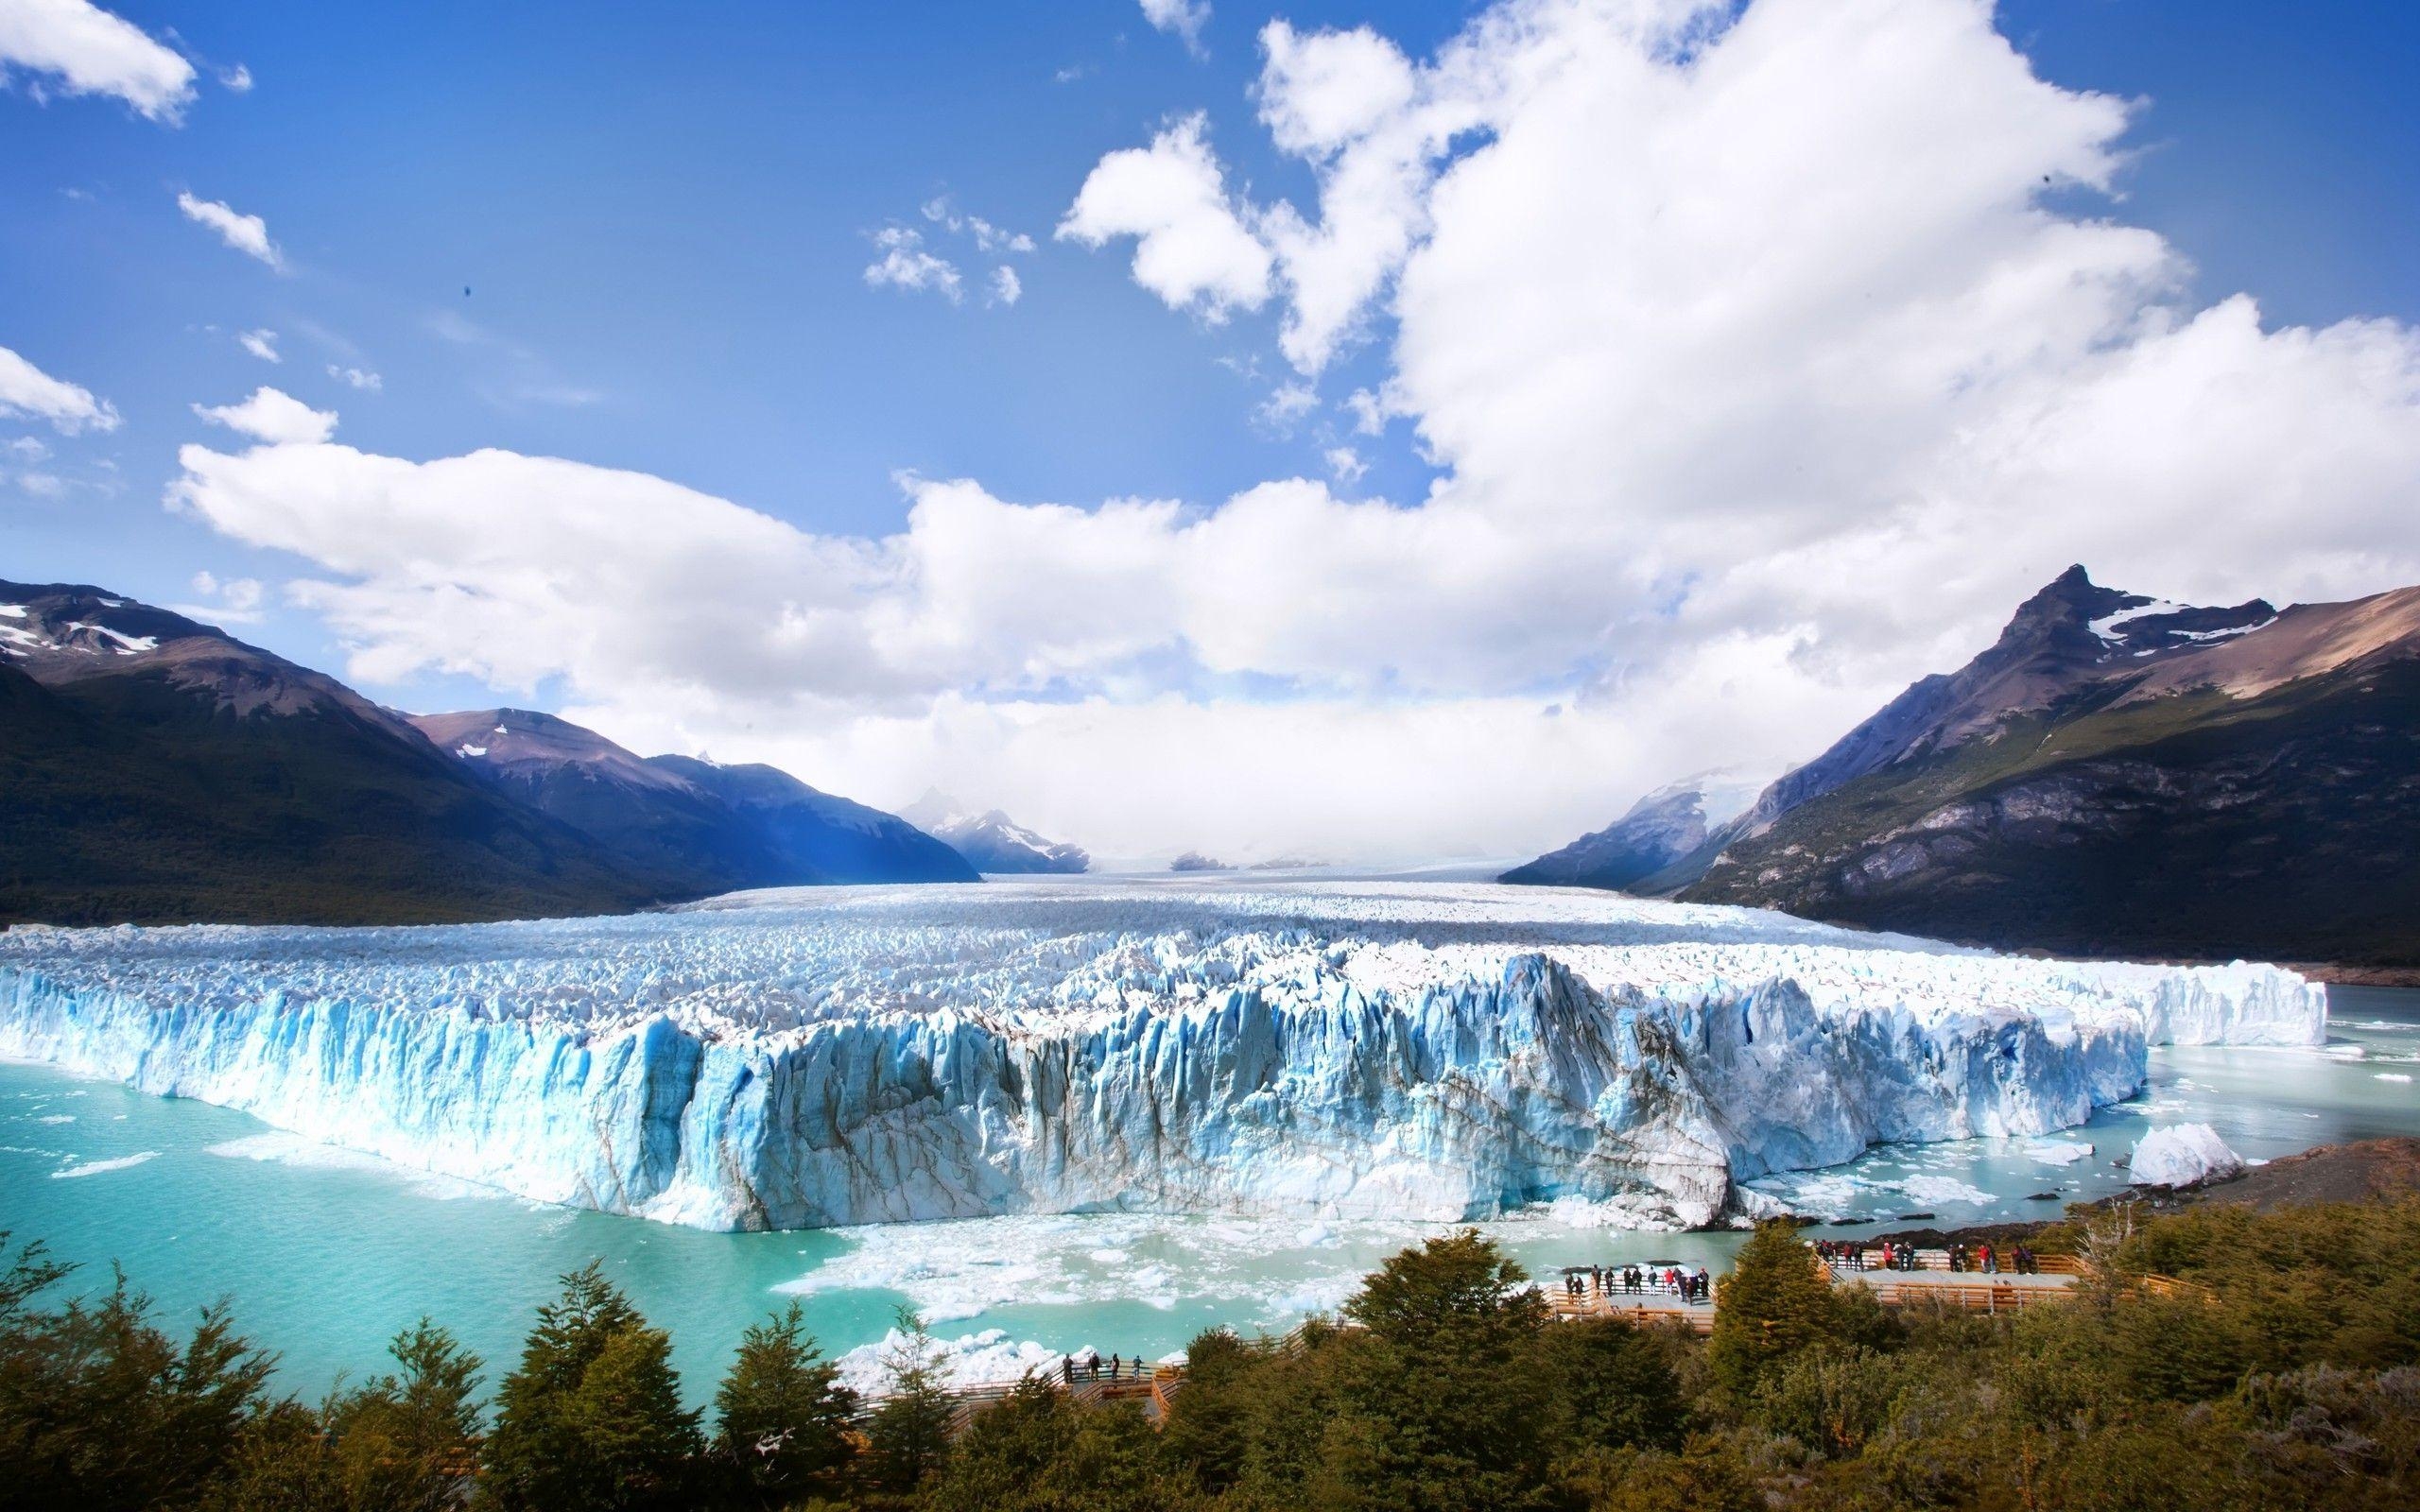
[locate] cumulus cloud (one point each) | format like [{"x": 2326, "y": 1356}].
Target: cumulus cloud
[
  {"x": 260, "y": 344},
  {"x": 73, "y": 47},
  {"x": 236, "y": 80},
  {"x": 361, "y": 378},
  {"x": 1182, "y": 19},
  {"x": 1007, "y": 289},
  {"x": 906, "y": 266},
  {"x": 223, "y": 601},
  {"x": 26, "y": 392},
  {"x": 1761, "y": 370},
  {"x": 248, "y": 235},
  {"x": 273, "y": 417},
  {"x": 1192, "y": 247}
]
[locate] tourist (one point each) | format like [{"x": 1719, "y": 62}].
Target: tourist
[{"x": 1991, "y": 1262}]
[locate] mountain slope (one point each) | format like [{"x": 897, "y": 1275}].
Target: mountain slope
[
  {"x": 1659, "y": 830},
  {"x": 729, "y": 827},
  {"x": 2117, "y": 776},
  {"x": 812, "y": 832},
  {"x": 992, "y": 840},
  {"x": 156, "y": 769}
]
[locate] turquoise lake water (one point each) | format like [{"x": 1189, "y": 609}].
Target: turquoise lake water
[{"x": 325, "y": 1255}]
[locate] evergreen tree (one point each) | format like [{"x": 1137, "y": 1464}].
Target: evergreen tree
[
  {"x": 908, "y": 1435},
  {"x": 1443, "y": 1404},
  {"x": 593, "y": 1418},
  {"x": 407, "y": 1441},
  {"x": 1774, "y": 1304},
  {"x": 783, "y": 1414},
  {"x": 1613, "y": 1386},
  {"x": 101, "y": 1410}
]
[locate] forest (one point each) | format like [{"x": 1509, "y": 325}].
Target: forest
[{"x": 2214, "y": 1358}]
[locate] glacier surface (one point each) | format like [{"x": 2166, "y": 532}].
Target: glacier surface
[{"x": 1378, "y": 1050}]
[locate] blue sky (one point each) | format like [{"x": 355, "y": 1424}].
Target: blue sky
[{"x": 664, "y": 221}]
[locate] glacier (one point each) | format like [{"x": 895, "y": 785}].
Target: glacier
[{"x": 1432, "y": 1050}]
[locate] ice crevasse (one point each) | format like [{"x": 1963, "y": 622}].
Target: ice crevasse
[{"x": 793, "y": 1059}]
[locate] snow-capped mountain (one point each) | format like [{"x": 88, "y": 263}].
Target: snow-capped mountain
[
  {"x": 1659, "y": 830},
  {"x": 991, "y": 840},
  {"x": 2120, "y": 775},
  {"x": 1431, "y": 1051},
  {"x": 154, "y": 767},
  {"x": 728, "y": 827}
]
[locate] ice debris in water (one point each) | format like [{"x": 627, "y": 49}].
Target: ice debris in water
[
  {"x": 2182, "y": 1154},
  {"x": 1313, "y": 1050}
]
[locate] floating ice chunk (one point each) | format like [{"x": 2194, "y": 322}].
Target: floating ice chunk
[
  {"x": 97, "y": 1167},
  {"x": 1933, "y": 1189},
  {"x": 970, "y": 1359},
  {"x": 2381, "y": 1075},
  {"x": 2183, "y": 1154},
  {"x": 2057, "y": 1152}
]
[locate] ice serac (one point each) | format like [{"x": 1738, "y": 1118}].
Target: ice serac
[{"x": 855, "y": 1055}]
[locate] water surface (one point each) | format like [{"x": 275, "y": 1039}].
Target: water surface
[{"x": 325, "y": 1255}]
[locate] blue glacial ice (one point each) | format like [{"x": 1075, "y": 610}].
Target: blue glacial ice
[{"x": 1402, "y": 1051}]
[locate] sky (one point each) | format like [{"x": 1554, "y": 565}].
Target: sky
[{"x": 1367, "y": 433}]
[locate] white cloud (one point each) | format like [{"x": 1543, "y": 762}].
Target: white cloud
[
  {"x": 27, "y": 449},
  {"x": 248, "y": 235},
  {"x": 224, "y": 601},
  {"x": 236, "y": 80},
  {"x": 26, "y": 392},
  {"x": 1182, "y": 19},
  {"x": 361, "y": 378},
  {"x": 1192, "y": 249},
  {"x": 1759, "y": 372},
  {"x": 260, "y": 344},
  {"x": 273, "y": 417},
  {"x": 1007, "y": 289},
  {"x": 987, "y": 236},
  {"x": 905, "y": 265},
  {"x": 1286, "y": 407},
  {"x": 78, "y": 48},
  {"x": 1344, "y": 464},
  {"x": 1369, "y": 412}
]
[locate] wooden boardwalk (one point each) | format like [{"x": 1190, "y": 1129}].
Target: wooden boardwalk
[{"x": 1931, "y": 1284}]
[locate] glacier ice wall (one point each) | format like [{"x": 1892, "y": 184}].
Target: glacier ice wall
[{"x": 857, "y": 1055}]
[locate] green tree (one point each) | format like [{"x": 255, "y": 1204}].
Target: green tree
[
  {"x": 99, "y": 1409},
  {"x": 1774, "y": 1304},
  {"x": 1612, "y": 1385},
  {"x": 593, "y": 1417},
  {"x": 1441, "y": 1401},
  {"x": 782, "y": 1415},
  {"x": 908, "y": 1434},
  {"x": 407, "y": 1442}
]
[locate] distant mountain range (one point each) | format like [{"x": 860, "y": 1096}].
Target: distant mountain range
[
  {"x": 992, "y": 840},
  {"x": 2115, "y": 776},
  {"x": 155, "y": 768},
  {"x": 1664, "y": 827}
]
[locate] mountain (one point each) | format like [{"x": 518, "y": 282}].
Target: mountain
[
  {"x": 816, "y": 831},
  {"x": 1660, "y": 829},
  {"x": 724, "y": 827},
  {"x": 2119, "y": 775},
  {"x": 156, "y": 769},
  {"x": 992, "y": 840}
]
